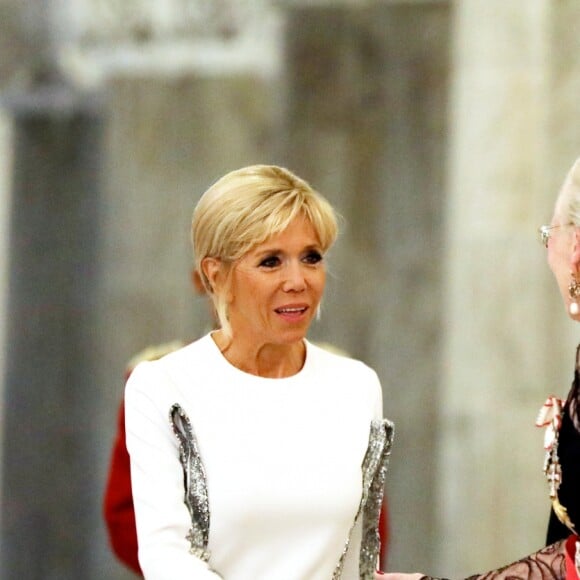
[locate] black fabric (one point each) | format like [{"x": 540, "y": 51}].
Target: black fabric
[{"x": 569, "y": 454}]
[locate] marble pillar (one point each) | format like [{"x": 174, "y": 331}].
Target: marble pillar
[
  {"x": 48, "y": 476},
  {"x": 505, "y": 347},
  {"x": 366, "y": 123},
  {"x": 5, "y": 180}
]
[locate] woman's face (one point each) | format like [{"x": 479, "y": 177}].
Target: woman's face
[
  {"x": 560, "y": 248},
  {"x": 276, "y": 287}
]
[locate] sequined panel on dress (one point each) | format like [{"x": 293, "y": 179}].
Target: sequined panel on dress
[
  {"x": 374, "y": 469},
  {"x": 195, "y": 482}
]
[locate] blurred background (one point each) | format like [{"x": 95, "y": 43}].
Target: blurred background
[{"x": 440, "y": 130}]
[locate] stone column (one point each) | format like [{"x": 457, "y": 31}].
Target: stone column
[
  {"x": 48, "y": 475},
  {"x": 503, "y": 342},
  {"x": 366, "y": 122},
  {"x": 5, "y": 180}
]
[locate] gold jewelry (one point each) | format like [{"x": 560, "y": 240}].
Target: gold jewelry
[
  {"x": 553, "y": 471},
  {"x": 550, "y": 417},
  {"x": 574, "y": 293}
]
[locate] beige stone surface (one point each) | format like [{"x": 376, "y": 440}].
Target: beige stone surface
[{"x": 5, "y": 179}]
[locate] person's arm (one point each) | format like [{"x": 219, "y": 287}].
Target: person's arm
[
  {"x": 118, "y": 503},
  {"x": 163, "y": 520},
  {"x": 547, "y": 564}
]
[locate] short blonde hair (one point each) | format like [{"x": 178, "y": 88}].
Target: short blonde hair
[
  {"x": 246, "y": 207},
  {"x": 568, "y": 202}
]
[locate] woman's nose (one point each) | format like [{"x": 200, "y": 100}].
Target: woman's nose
[{"x": 294, "y": 280}]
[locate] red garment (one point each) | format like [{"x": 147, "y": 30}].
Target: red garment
[
  {"x": 118, "y": 507},
  {"x": 118, "y": 504},
  {"x": 384, "y": 534},
  {"x": 571, "y": 572}
]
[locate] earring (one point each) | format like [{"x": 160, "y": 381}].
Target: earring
[{"x": 574, "y": 293}]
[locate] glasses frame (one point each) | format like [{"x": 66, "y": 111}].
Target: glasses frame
[{"x": 545, "y": 232}]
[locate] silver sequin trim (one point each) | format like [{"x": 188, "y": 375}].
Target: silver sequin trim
[
  {"x": 374, "y": 469},
  {"x": 195, "y": 482}
]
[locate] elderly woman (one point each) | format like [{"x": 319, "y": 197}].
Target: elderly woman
[
  {"x": 254, "y": 453},
  {"x": 562, "y": 465},
  {"x": 561, "y": 558}
]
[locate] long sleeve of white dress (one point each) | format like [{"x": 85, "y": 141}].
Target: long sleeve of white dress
[
  {"x": 162, "y": 518},
  {"x": 282, "y": 457}
]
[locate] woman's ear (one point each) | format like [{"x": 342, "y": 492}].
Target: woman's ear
[
  {"x": 212, "y": 269},
  {"x": 575, "y": 257}
]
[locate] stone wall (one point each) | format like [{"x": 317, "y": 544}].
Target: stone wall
[
  {"x": 5, "y": 179},
  {"x": 441, "y": 131}
]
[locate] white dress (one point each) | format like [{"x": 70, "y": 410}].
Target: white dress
[{"x": 282, "y": 460}]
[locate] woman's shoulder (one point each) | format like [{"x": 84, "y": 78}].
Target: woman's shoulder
[
  {"x": 174, "y": 365},
  {"x": 193, "y": 352},
  {"x": 338, "y": 359},
  {"x": 347, "y": 377}
]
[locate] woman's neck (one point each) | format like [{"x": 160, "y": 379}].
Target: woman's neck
[{"x": 274, "y": 361}]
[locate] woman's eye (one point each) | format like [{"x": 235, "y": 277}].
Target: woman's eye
[
  {"x": 270, "y": 262},
  {"x": 313, "y": 257}
]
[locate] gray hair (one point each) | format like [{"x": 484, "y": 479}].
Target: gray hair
[{"x": 568, "y": 202}]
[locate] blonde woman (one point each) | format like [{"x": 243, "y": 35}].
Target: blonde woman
[{"x": 254, "y": 453}]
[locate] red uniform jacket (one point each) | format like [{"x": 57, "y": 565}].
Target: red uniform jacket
[{"x": 118, "y": 504}]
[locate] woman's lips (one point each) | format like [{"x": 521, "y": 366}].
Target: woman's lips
[{"x": 293, "y": 312}]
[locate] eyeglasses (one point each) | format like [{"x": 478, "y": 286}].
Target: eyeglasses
[{"x": 545, "y": 232}]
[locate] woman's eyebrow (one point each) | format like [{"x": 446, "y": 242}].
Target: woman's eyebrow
[
  {"x": 274, "y": 250},
  {"x": 268, "y": 251}
]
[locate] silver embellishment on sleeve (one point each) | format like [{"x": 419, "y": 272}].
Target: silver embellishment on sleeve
[
  {"x": 195, "y": 482},
  {"x": 374, "y": 472},
  {"x": 374, "y": 469}
]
